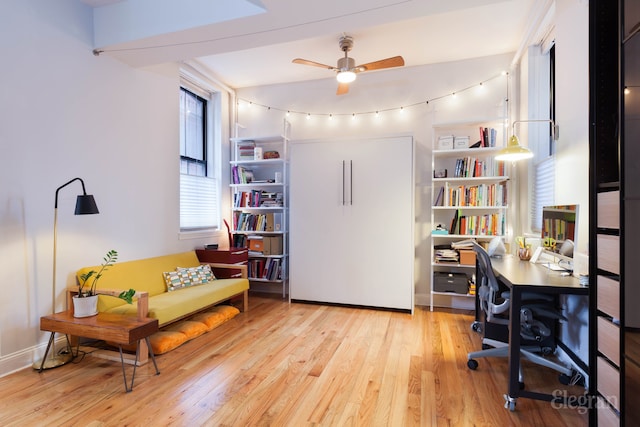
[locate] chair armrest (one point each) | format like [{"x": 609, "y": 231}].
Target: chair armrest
[{"x": 242, "y": 267}]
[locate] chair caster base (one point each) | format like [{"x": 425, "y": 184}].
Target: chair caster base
[
  {"x": 472, "y": 364},
  {"x": 510, "y": 403}
]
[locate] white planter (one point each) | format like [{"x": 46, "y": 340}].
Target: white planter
[{"x": 85, "y": 307}]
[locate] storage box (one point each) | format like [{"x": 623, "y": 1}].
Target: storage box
[
  {"x": 467, "y": 257},
  {"x": 272, "y": 245},
  {"x": 445, "y": 142},
  {"x": 461, "y": 142},
  {"x": 450, "y": 282},
  {"x": 256, "y": 244}
]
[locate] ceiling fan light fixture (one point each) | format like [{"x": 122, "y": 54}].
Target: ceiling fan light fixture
[{"x": 346, "y": 76}]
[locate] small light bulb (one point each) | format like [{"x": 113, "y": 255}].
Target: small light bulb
[{"x": 308, "y": 116}]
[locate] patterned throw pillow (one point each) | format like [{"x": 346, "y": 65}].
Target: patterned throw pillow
[
  {"x": 206, "y": 273},
  {"x": 174, "y": 281},
  {"x": 198, "y": 275}
]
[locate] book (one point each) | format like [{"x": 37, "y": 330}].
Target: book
[{"x": 439, "y": 201}]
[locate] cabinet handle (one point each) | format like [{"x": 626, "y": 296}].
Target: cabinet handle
[{"x": 351, "y": 182}]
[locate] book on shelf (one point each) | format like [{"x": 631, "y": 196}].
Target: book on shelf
[
  {"x": 487, "y": 137},
  {"x": 241, "y": 175},
  {"x": 265, "y": 268},
  {"x": 439, "y": 198},
  {"x": 470, "y": 167},
  {"x": 480, "y": 225},
  {"x": 257, "y": 198},
  {"x": 480, "y": 195}
]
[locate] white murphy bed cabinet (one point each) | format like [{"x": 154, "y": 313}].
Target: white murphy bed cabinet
[{"x": 351, "y": 222}]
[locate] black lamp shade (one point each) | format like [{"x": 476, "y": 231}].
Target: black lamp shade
[{"x": 86, "y": 205}]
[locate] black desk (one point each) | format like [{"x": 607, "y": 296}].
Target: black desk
[{"x": 522, "y": 276}]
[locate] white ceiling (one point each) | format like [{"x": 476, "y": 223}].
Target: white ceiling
[{"x": 258, "y": 49}]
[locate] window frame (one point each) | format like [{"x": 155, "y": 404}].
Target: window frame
[
  {"x": 211, "y": 155},
  {"x": 205, "y": 151},
  {"x": 540, "y": 137}
]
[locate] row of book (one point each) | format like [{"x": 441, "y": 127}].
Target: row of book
[
  {"x": 487, "y": 137},
  {"x": 241, "y": 175},
  {"x": 469, "y": 167},
  {"x": 478, "y": 225},
  {"x": 257, "y": 198},
  {"x": 245, "y": 221},
  {"x": 489, "y": 195},
  {"x": 265, "y": 268}
]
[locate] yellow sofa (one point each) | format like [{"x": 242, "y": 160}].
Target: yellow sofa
[{"x": 152, "y": 297}]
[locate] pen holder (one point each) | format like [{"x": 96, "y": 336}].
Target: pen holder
[{"x": 524, "y": 254}]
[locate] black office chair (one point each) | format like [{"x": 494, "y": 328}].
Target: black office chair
[{"x": 494, "y": 304}]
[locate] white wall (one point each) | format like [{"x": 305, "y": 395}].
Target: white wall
[
  {"x": 572, "y": 160},
  {"x": 66, "y": 113},
  {"x": 389, "y": 89}
]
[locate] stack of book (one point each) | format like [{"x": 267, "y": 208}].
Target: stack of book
[
  {"x": 446, "y": 255},
  {"x": 245, "y": 150}
]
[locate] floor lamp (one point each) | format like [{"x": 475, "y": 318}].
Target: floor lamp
[{"x": 85, "y": 205}]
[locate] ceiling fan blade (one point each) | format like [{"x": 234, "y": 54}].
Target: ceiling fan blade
[
  {"x": 342, "y": 88},
  {"x": 396, "y": 61},
  {"x": 315, "y": 64}
]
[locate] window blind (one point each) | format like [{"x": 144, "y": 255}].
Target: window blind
[
  {"x": 198, "y": 203},
  {"x": 543, "y": 191}
]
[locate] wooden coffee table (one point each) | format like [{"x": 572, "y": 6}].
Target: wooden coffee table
[{"x": 115, "y": 328}]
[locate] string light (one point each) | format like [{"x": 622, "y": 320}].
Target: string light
[{"x": 375, "y": 112}]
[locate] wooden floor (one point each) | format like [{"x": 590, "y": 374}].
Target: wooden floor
[{"x": 284, "y": 364}]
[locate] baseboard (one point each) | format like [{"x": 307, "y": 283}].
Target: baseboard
[
  {"x": 25, "y": 358},
  {"x": 421, "y": 299}
]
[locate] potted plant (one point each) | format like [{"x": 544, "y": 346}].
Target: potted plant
[{"x": 85, "y": 303}]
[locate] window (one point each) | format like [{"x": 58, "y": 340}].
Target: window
[
  {"x": 542, "y": 174},
  {"x": 198, "y": 187}
]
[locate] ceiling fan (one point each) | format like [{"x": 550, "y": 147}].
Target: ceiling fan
[{"x": 347, "y": 68}]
